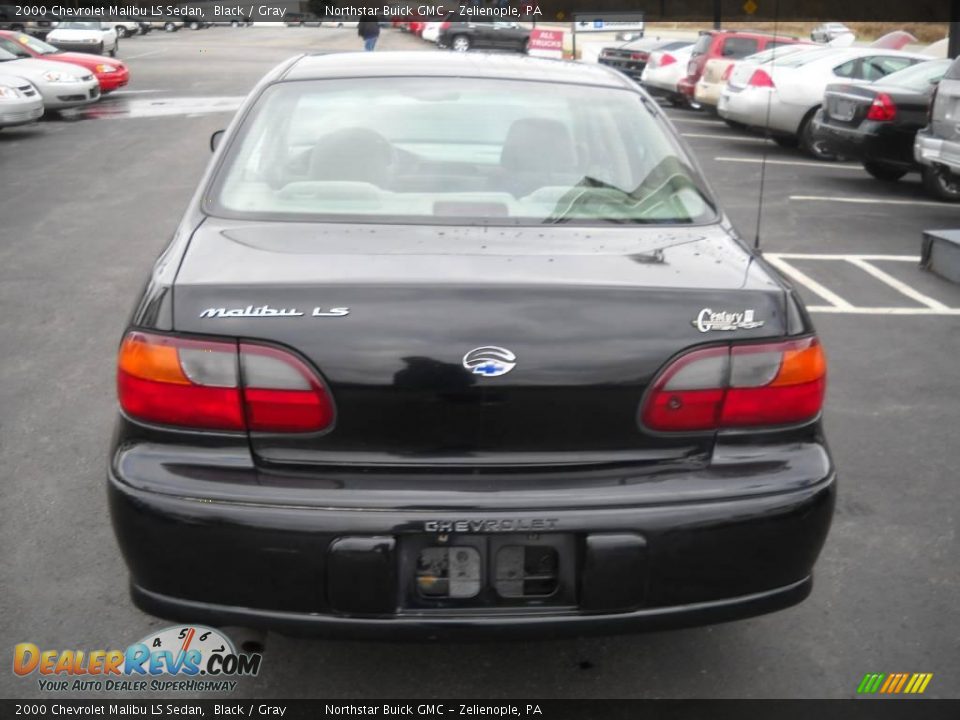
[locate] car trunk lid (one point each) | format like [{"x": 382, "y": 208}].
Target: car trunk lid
[{"x": 590, "y": 314}]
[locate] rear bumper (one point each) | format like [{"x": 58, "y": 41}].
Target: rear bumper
[
  {"x": 930, "y": 151},
  {"x": 275, "y": 564},
  {"x": 708, "y": 93},
  {"x": 869, "y": 141}
]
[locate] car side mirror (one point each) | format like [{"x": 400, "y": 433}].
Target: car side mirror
[{"x": 215, "y": 139}]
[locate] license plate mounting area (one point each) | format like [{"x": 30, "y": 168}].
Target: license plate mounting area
[{"x": 488, "y": 571}]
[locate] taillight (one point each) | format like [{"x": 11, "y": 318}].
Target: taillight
[
  {"x": 444, "y": 25},
  {"x": 760, "y": 78},
  {"x": 639, "y": 56},
  {"x": 882, "y": 108},
  {"x": 667, "y": 59},
  {"x": 738, "y": 386},
  {"x": 218, "y": 385},
  {"x": 281, "y": 394}
]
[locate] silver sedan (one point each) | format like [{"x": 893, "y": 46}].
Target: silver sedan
[
  {"x": 781, "y": 97},
  {"x": 61, "y": 85},
  {"x": 20, "y": 102}
]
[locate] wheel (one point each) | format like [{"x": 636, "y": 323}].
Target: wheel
[
  {"x": 170, "y": 27},
  {"x": 941, "y": 183},
  {"x": 234, "y": 23},
  {"x": 461, "y": 43},
  {"x": 524, "y": 46},
  {"x": 121, "y": 31},
  {"x": 810, "y": 144},
  {"x": 100, "y": 49},
  {"x": 194, "y": 25},
  {"x": 734, "y": 124},
  {"x": 887, "y": 173},
  {"x": 113, "y": 50}
]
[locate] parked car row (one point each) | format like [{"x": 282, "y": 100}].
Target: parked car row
[
  {"x": 891, "y": 110},
  {"x": 36, "y": 76},
  {"x": 463, "y": 36}
]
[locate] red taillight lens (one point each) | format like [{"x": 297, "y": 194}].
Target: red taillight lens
[
  {"x": 639, "y": 56},
  {"x": 740, "y": 386},
  {"x": 217, "y": 385},
  {"x": 281, "y": 394},
  {"x": 667, "y": 59},
  {"x": 760, "y": 78},
  {"x": 444, "y": 25},
  {"x": 882, "y": 108}
]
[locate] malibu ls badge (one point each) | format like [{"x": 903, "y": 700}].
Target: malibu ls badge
[
  {"x": 490, "y": 361},
  {"x": 267, "y": 311},
  {"x": 708, "y": 320}
]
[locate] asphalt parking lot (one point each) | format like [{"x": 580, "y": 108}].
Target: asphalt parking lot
[{"x": 88, "y": 202}]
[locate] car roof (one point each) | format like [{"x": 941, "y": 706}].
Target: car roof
[{"x": 499, "y": 66}]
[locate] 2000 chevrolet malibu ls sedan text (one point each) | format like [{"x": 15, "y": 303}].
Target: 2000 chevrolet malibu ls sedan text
[{"x": 464, "y": 346}]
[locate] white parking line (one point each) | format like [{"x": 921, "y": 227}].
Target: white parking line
[
  {"x": 697, "y": 121},
  {"x": 842, "y": 256},
  {"x": 798, "y": 163},
  {"x": 873, "y": 201},
  {"x": 840, "y": 306},
  {"x": 747, "y": 138},
  {"x": 900, "y": 287},
  {"x": 811, "y": 284},
  {"x": 142, "y": 55}
]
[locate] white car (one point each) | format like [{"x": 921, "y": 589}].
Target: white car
[
  {"x": 126, "y": 29},
  {"x": 664, "y": 69},
  {"x": 62, "y": 85},
  {"x": 93, "y": 37},
  {"x": 781, "y": 96},
  {"x": 829, "y": 31},
  {"x": 431, "y": 31},
  {"x": 718, "y": 70},
  {"x": 20, "y": 101}
]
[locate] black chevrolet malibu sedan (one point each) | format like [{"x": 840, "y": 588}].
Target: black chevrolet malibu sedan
[{"x": 464, "y": 347}]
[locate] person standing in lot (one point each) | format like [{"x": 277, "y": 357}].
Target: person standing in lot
[{"x": 369, "y": 30}]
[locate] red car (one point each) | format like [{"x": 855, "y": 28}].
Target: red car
[
  {"x": 731, "y": 44},
  {"x": 110, "y": 72}
]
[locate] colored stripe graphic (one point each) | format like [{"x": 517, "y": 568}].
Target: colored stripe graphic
[{"x": 894, "y": 683}]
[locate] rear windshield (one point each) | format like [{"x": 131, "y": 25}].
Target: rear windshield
[
  {"x": 953, "y": 73},
  {"x": 456, "y": 151},
  {"x": 702, "y": 44},
  {"x": 739, "y": 47},
  {"x": 920, "y": 77}
]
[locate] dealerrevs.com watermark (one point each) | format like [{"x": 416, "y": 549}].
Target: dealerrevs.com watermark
[{"x": 191, "y": 658}]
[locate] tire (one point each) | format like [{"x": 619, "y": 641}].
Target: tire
[
  {"x": 809, "y": 144},
  {"x": 194, "y": 25},
  {"x": 170, "y": 27},
  {"x": 524, "y": 47},
  {"x": 887, "y": 173},
  {"x": 460, "y": 43},
  {"x": 121, "y": 31},
  {"x": 100, "y": 49},
  {"x": 234, "y": 23},
  {"x": 941, "y": 183},
  {"x": 113, "y": 51},
  {"x": 734, "y": 125}
]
